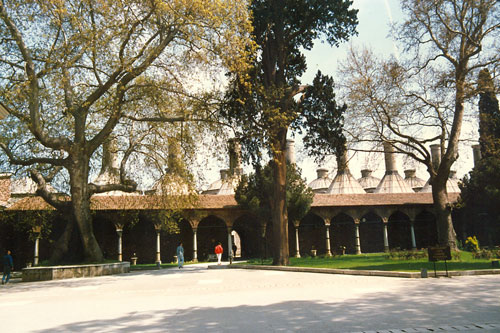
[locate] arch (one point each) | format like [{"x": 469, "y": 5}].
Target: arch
[
  {"x": 371, "y": 233},
  {"x": 425, "y": 229},
  {"x": 399, "y": 231},
  {"x": 342, "y": 234},
  {"x": 249, "y": 232},
  {"x": 311, "y": 235},
  {"x": 211, "y": 230}
]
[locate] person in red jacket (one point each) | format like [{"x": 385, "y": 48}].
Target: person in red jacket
[{"x": 218, "y": 251}]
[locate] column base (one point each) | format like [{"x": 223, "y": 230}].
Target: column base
[
  {"x": 328, "y": 254},
  {"x": 195, "y": 260},
  {"x": 297, "y": 255}
]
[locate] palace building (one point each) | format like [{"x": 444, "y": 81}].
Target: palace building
[{"x": 348, "y": 215}]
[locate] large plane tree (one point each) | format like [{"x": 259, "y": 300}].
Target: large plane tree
[{"x": 74, "y": 73}]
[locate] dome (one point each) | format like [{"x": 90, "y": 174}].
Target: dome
[
  {"x": 345, "y": 183},
  {"x": 413, "y": 181},
  {"x": 322, "y": 183},
  {"x": 367, "y": 181}
]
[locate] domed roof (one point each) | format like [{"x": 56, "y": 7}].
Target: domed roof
[
  {"x": 392, "y": 182},
  {"x": 413, "y": 181},
  {"x": 345, "y": 183},
  {"x": 322, "y": 183},
  {"x": 367, "y": 181},
  {"x": 451, "y": 184}
]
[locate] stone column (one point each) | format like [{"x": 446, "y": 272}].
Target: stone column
[
  {"x": 297, "y": 246},
  {"x": 120, "y": 252},
  {"x": 386, "y": 234},
  {"x": 356, "y": 235},
  {"x": 229, "y": 244},
  {"x": 413, "y": 241},
  {"x": 37, "y": 230},
  {"x": 158, "y": 254},
  {"x": 195, "y": 246},
  {"x": 119, "y": 232},
  {"x": 328, "y": 249}
]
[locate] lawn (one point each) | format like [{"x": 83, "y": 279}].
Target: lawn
[{"x": 381, "y": 262}]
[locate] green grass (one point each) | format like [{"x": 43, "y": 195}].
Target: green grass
[{"x": 379, "y": 261}]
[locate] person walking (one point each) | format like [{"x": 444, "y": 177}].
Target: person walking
[
  {"x": 218, "y": 251},
  {"x": 180, "y": 255},
  {"x": 8, "y": 265}
]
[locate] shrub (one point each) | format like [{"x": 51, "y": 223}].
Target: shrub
[
  {"x": 472, "y": 244},
  {"x": 407, "y": 255}
]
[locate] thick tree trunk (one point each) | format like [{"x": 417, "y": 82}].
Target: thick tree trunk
[
  {"x": 80, "y": 201},
  {"x": 278, "y": 205},
  {"x": 446, "y": 232},
  {"x": 62, "y": 243}
]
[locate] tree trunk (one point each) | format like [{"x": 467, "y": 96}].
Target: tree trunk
[
  {"x": 446, "y": 232},
  {"x": 278, "y": 204},
  {"x": 62, "y": 243},
  {"x": 80, "y": 201}
]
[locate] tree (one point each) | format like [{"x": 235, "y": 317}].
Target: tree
[
  {"x": 480, "y": 191},
  {"x": 254, "y": 190},
  {"x": 262, "y": 103},
  {"x": 75, "y": 73},
  {"x": 420, "y": 99}
]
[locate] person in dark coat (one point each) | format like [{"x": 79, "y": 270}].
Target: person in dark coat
[{"x": 8, "y": 266}]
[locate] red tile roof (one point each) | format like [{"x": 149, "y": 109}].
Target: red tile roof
[{"x": 145, "y": 202}]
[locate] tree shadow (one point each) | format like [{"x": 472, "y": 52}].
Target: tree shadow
[{"x": 433, "y": 304}]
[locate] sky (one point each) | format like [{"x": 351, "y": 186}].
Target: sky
[{"x": 375, "y": 17}]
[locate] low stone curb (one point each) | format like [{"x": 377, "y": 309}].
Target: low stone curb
[
  {"x": 44, "y": 273},
  {"x": 414, "y": 275}
]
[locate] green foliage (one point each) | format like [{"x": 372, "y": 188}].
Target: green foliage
[
  {"x": 486, "y": 254},
  {"x": 480, "y": 190},
  {"x": 261, "y": 103},
  {"x": 407, "y": 255},
  {"x": 254, "y": 193}
]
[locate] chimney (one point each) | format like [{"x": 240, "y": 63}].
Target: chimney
[
  {"x": 390, "y": 162},
  {"x": 436, "y": 156},
  {"x": 234, "y": 157},
  {"x": 476, "y": 150},
  {"x": 410, "y": 173},
  {"x": 322, "y": 173},
  {"x": 290, "y": 151},
  {"x": 5, "y": 183},
  {"x": 365, "y": 173}
]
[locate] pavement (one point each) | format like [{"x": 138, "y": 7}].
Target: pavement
[{"x": 197, "y": 299}]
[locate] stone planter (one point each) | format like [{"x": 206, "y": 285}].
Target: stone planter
[
  {"x": 73, "y": 271},
  {"x": 313, "y": 253}
]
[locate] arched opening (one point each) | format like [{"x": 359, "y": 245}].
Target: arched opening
[
  {"x": 425, "y": 230},
  {"x": 342, "y": 234},
  {"x": 312, "y": 235},
  {"x": 236, "y": 242},
  {"x": 399, "y": 231},
  {"x": 211, "y": 230},
  {"x": 248, "y": 231},
  {"x": 371, "y": 233}
]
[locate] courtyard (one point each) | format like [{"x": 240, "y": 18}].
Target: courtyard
[{"x": 197, "y": 299}]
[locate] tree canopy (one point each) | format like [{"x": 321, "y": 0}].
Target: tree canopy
[
  {"x": 420, "y": 98},
  {"x": 75, "y": 73},
  {"x": 263, "y": 105}
]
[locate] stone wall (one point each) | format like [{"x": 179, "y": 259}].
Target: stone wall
[{"x": 74, "y": 271}]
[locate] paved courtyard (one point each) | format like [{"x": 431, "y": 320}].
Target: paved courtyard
[{"x": 196, "y": 299}]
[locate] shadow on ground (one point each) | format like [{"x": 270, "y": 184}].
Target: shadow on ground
[{"x": 432, "y": 304}]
